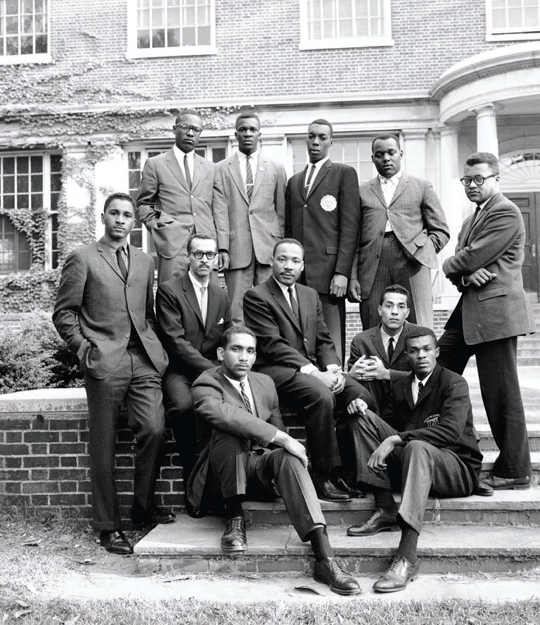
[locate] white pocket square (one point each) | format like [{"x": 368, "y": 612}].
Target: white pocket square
[{"x": 221, "y": 321}]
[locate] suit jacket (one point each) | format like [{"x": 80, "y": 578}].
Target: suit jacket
[
  {"x": 417, "y": 219},
  {"x": 96, "y": 308},
  {"x": 442, "y": 416},
  {"x": 218, "y": 405},
  {"x": 191, "y": 345},
  {"x": 172, "y": 212},
  {"x": 284, "y": 346},
  {"x": 499, "y": 309},
  {"x": 255, "y": 225},
  {"x": 326, "y": 222}
]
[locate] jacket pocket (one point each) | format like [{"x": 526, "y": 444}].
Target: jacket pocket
[
  {"x": 420, "y": 239},
  {"x": 489, "y": 293},
  {"x": 331, "y": 250}
]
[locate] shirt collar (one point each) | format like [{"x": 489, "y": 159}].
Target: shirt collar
[
  {"x": 285, "y": 288},
  {"x": 112, "y": 249},
  {"x": 195, "y": 282},
  {"x": 394, "y": 180},
  {"x": 424, "y": 381},
  {"x": 243, "y": 157},
  {"x": 180, "y": 155},
  {"x": 236, "y": 383},
  {"x": 318, "y": 164},
  {"x": 386, "y": 337}
]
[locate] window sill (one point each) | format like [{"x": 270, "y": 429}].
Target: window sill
[
  {"x": 512, "y": 36},
  {"x": 158, "y": 53},
  {"x": 26, "y": 59},
  {"x": 327, "y": 44}
]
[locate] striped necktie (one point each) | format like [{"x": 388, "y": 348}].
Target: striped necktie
[
  {"x": 249, "y": 178},
  {"x": 245, "y": 398}
]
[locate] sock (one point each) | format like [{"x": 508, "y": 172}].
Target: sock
[
  {"x": 233, "y": 506},
  {"x": 409, "y": 541},
  {"x": 320, "y": 543},
  {"x": 385, "y": 500}
]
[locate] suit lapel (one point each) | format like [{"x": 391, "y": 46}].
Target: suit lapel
[
  {"x": 408, "y": 390},
  {"x": 234, "y": 168},
  {"x": 320, "y": 176},
  {"x": 134, "y": 257},
  {"x": 400, "y": 345},
  {"x": 198, "y": 173},
  {"x": 402, "y": 185},
  {"x": 173, "y": 165},
  {"x": 378, "y": 344},
  {"x": 300, "y": 180},
  {"x": 377, "y": 191},
  {"x": 280, "y": 298},
  {"x": 191, "y": 297},
  {"x": 257, "y": 395},
  {"x": 429, "y": 385},
  {"x": 259, "y": 174},
  {"x": 213, "y": 308},
  {"x": 109, "y": 259}
]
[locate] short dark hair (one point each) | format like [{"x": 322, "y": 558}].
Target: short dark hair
[
  {"x": 119, "y": 195},
  {"x": 232, "y": 331},
  {"x": 418, "y": 332},
  {"x": 247, "y": 115},
  {"x": 477, "y": 158},
  {"x": 199, "y": 236},
  {"x": 187, "y": 112},
  {"x": 385, "y": 138},
  {"x": 395, "y": 288},
  {"x": 293, "y": 241},
  {"x": 323, "y": 122}
]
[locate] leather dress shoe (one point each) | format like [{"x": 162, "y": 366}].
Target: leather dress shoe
[
  {"x": 484, "y": 490},
  {"x": 396, "y": 578},
  {"x": 153, "y": 516},
  {"x": 115, "y": 542},
  {"x": 195, "y": 513},
  {"x": 327, "y": 491},
  {"x": 329, "y": 572},
  {"x": 507, "y": 483},
  {"x": 381, "y": 521},
  {"x": 234, "y": 537},
  {"x": 356, "y": 493}
]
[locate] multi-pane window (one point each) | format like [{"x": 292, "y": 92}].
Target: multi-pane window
[
  {"x": 23, "y": 31},
  {"x": 344, "y": 23},
  {"x": 170, "y": 27},
  {"x": 513, "y": 19},
  {"x": 28, "y": 182}
]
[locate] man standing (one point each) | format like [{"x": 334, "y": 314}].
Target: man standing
[
  {"x": 192, "y": 314},
  {"x": 431, "y": 447},
  {"x": 176, "y": 199},
  {"x": 253, "y": 189},
  {"x": 402, "y": 230},
  {"x": 296, "y": 351},
  {"x": 105, "y": 312},
  {"x": 323, "y": 213},
  {"x": 378, "y": 357},
  {"x": 235, "y": 408},
  {"x": 492, "y": 311}
]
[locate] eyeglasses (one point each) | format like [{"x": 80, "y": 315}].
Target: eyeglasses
[
  {"x": 199, "y": 255},
  {"x": 478, "y": 180},
  {"x": 186, "y": 128}
]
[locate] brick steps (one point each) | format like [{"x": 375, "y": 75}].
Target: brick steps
[{"x": 486, "y": 442}]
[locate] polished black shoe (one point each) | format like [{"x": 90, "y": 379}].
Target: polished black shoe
[
  {"x": 234, "y": 537},
  {"x": 356, "y": 493},
  {"x": 115, "y": 542},
  {"x": 507, "y": 483},
  {"x": 328, "y": 491},
  {"x": 329, "y": 572},
  {"x": 381, "y": 521},
  {"x": 484, "y": 490},
  {"x": 396, "y": 578},
  {"x": 193, "y": 512},
  {"x": 153, "y": 516}
]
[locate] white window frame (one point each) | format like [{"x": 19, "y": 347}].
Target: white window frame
[
  {"x": 507, "y": 34},
  {"x": 345, "y": 42},
  {"x": 42, "y": 57},
  {"x": 144, "y": 53}
]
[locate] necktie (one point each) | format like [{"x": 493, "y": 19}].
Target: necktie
[
  {"x": 294, "y": 304},
  {"x": 121, "y": 263},
  {"x": 249, "y": 178},
  {"x": 245, "y": 398},
  {"x": 187, "y": 172},
  {"x": 308, "y": 183},
  {"x": 390, "y": 348},
  {"x": 203, "y": 307},
  {"x": 420, "y": 389}
]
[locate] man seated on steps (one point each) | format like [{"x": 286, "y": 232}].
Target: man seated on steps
[
  {"x": 426, "y": 443},
  {"x": 237, "y": 417}
]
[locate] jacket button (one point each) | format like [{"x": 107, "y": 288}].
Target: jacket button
[
  {"x": 381, "y": 233},
  {"x": 305, "y": 340},
  {"x": 127, "y": 336},
  {"x": 305, "y": 205}
]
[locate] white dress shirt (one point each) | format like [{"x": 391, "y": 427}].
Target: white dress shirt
[
  {"x": 318, "y": 166},
  {"x": 202, "y": 298},
  {"x": 190, "y": 158},
  {"x": 389, "y": 186},
  {"x": 247, "y": 390},
  {"x": 414, "y": 386},
  {"x": 386, "y": 339},
  {"x": 253, "y": 161}
]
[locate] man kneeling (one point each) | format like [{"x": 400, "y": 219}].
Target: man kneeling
[
  {"x": 237, "y": 416},
  {"x": 431, "y": 447}
]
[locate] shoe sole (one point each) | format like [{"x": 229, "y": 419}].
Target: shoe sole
[
  {"x": 389, "y": 590},
  {"x": 394, "y": 528},
  {"x": 516, "y": 487},
  {"x": 338, "y": 591},
  {"x": 335, "y": 500},
  {"x": 233, "y": 550}
]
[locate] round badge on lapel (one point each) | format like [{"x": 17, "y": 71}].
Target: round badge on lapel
[{"x": 328, "y": 203}]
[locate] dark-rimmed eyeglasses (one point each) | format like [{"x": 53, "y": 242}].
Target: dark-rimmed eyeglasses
[
  {"x": 478, "y": 180},
  {"x": 187, "y": 127},
  {"x": 199, "y": 255}
]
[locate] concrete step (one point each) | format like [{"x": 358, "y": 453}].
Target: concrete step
[
  {"x": 486, "y": 442},
  {"x": 193, "y": 546},
  {"x": 490, "y": 456}
]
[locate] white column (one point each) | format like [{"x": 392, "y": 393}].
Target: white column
[
  {"x": 414, "y": 150},
  {"x": 486, "y": 129}
]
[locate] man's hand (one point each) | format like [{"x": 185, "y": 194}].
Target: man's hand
[
  {"x": 375, "y": 370},
  {"x": 338, "y": 286},
  {"x": 353, "y": 294},
  {"x": 357, "y": 406},
  {"x": 377, "y": 462},
  {"x": 340, "y": 384},
  {"x": 479, "y": 278},
  {"x": 294, "y": 447},
  {"x": 223, "y": 260},
  {"x": 328, "y": 378},
  {"x": 359, "y": 368}
]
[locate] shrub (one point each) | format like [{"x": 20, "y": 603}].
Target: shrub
[{"x": 34, "y": 356}]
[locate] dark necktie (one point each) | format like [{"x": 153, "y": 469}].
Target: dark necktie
[
  {"x": 308, "y": 183},
  {"x": 420, "y": 389},
  {"x": 245, "y": 398},
  {"x": 294, "y": 304},
  {"x": 186, "y": 171},
  {"x": 249, "y": 178},
  {"x": 390, "y": 348},
  {"x": 121, "y": 263}
]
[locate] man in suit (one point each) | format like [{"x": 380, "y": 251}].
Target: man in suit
[
  {"x": 425, "y": 443},
  {"x": 192, "y": 314},
  {"x": 402, "y": 230},
  {"x": 176, "y": 199},
  {"x": 105, "y": 312},
  {"x": 239, "y": 416},
  {"x": 322, "y": 211},
  {"x": 492, "y": 311},
  {"x": 253, "y": 188},
  {"x": 378, "y": 357},
  {"x": 296, "y": 351}
]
